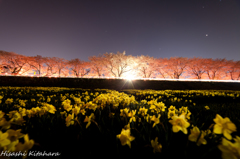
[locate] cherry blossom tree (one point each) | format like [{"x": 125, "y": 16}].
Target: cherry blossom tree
[
  {"x": 15, "y": 63},
  {"x": 50, "y": 63},
  {"x": 146, "y": 66},
  {"x": 118, "y": 64},
  {"x": 174, "y": 67},
  {"x": 97, "y": 66},
  {"x": 61, "y": 66},
  {"x": 121, "y": 65},
  {"x": 196, "y": 68},
  {"x": 37, "y": 63},
  {"x": 78, "y": 67},
  {"x": 232, "y": 69},
  {"x": 214, "y": 68},
  {"x": 56, "y": 66},
  {"x": 161, "y": 68}
]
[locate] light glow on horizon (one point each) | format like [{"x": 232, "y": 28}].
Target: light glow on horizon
[{"x": 130, "y": 78}]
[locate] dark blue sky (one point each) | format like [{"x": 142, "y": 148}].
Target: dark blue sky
[{"x": 159, "y": 28}]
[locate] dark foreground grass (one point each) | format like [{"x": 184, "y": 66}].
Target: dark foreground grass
[{"x": 115, "y": 84}]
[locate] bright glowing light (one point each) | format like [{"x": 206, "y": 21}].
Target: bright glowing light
[{"x": 130, "y": 77}]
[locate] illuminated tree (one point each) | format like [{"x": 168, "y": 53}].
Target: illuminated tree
[
  {"x": 146, "y": 66},
  {"x": 196, "y": 67},
  {"x": 78, "y": 67},
  {"x": 97, "y": 66},
  {"x": 2, "y": 53},
  {"x": 3, "y": 61},
  {"x": 121, "y": 65},
  {"x": 16, "y": 64},
  {"x": 56, "y": 65},
  {"x": 50, "y": 62},
  {"x": 214, "y": 68},
  {"x": 118, "y": 64},
  {"x": 37, "y": 63},
  {"x": 161, "y": 68},
  {"x": 232, "y": 69},
  {"x": 175, "y": 67},
  {"x": 60, "y": 65}
]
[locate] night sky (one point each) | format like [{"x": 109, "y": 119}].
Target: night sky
[{"x": 159, "y": 28}]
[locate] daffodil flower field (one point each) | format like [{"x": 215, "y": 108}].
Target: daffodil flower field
[{"x": 83, "y": 123}]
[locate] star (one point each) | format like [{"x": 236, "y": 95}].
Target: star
[{"x": 206, "y": 34}]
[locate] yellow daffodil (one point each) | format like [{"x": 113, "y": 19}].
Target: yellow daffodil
[
  {"x": 12, "y": 146},
  {"x": 34, "y": 111},
  {"x": 171, "y": 108},
  {"x": 67, "y": 105},
  {"x": 89, "y": 119},
  {"x": 16, "y": 116},
  {"x": 195, "y": 132},
  {"x": 156, "y": 119},
  {"x": 142, "y": 111},
  {"x": 147, "y": 118},
  {"x": 161, "y": 106},
  {"x": 1, "y": 114},
  {"x": 179, "y": 123},
  {"x": 83, "y": 111},
  {"x": 4, "y": 141},
  {"x": 207, "y": 132},
  {"x": 224, "y": 126},
  {"x": 156, "y": 147},
  {"x": 207, "y": 107},
  {"x": 230, "y": 150},
  {"x": 77, "y": 100},
  {"x": 9, "y": 101},
  {"x": 4, "y": 123},
  {"x": 143, "y": 102},
  {"x": 183, "y": 109},
  {"x": 70, "y": 119},
  {"x": 28, "y": 144},
  {"x": 11, "y": 113},
  {"x": 50, "y": 108},
  {"x": 158, "y": 106},
  {"x": 13, "y": 135},
  {"x": 171, "y": 113},
  {"x": 76, "y": 110},
  {"x": 29, "y": 113},
  {"x": 63, "y": 114},
  {"x": 125, "y": 137},
  {"x": 48, "y": 99},
  {"x": 188, "y": 115},
  {"x": 132, "y": 116},
  {"x": 22, "y": 111},
  {"x": 91, "y": 105},
  {"x": 22, "y": 102},
  {"x": 127, "y": 126},
  {"x": 40, "y": 112},
  {"x": 124, "y": 112}
]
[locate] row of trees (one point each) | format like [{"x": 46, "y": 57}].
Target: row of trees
[{"x": 120, "y": 65}]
